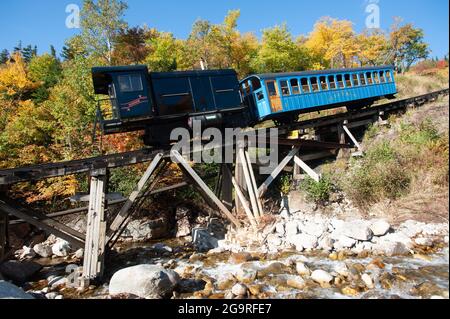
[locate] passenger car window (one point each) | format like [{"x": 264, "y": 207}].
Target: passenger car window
[
  {"x": 314, "y": 84},
  {"x": 340, "y": 81},
  {"x": 332, "y": 82},
  {"x": 323, "y": 83},
  {"x": 271, "y": 88},
  {"x": 305, "y": 86},
  {"x": 285, "y": 88},
  {"x": 355, "y": 80},
  {"x": 256, "y": 84},
  {"x": 295, "y": 87},
  {"x": 260, "y": 96},
  {"x": 376, "y": 79},
  {"x": 362, "y": 79},
  {"x": 383, "y": 80},
  {"x": 348, "y": 83},
  {"x": 388, "y": 76},
  {"x": 369, "y": 78},
  {"x": 130, "y": 83}
]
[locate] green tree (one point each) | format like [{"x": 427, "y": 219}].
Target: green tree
[
  {"x": 4, "y": 56},
  {"x": 164, "y": 53},
  {"x": 29, "y": 52},
  {"x": 101, "y": 22},
  {"x": 73, "y": 48},
  {"x": 130, "y": 46},
  {"x": 46, "y": 71}
]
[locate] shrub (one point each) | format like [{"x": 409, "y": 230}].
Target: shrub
[{"x": 318, "y": 192}]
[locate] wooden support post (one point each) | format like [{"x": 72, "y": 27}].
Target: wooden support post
[
  {"x": 226, "y": 189},
  {"x": 239, "y": 177},
  {"x": 308, "y": 170},
  {"x": 265, "y": 186},
  {"x": 341, "y": 139},
  {"x": 245, "y": 205},
  {"x": 251, "y": 191},
  {"x": 3, "y": 235},
  {"x": 94, "y": 251},
  {"x": 351, "y": 137},
  {"x": 124, "y": 211},
  {"x": 207, "y": 193},
  {"x": 253, "y": 185}
]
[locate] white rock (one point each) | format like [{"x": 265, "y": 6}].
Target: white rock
[
  {"x": 343, "y": 242},
  {"x": 302, "y": 269},
  {"x": 411, "y": 228},
  {"x": 291, "y": 228},
  {"x": 279, "y": 229},
  {"x": 27, "y": 253},
  {"x": 239, "y": 290},
  {"x": 341, "y": 269},
  {"x": 314, "y": 229},
  {"x": 390, "y": 248},
  {"x": 380, "y": 227},
  {"x": 326, "y": 243},
  {"x": 145, "y": 281},
  {"x": 51, "y": 295},
  {"x": 321, "y": 276},
  {"x": 57, "y": 281},
  {"x": 59, "y": 297},
  {"x": 362, "y": 246},
  {"x": 357, "y": 230},
  {"x": 44, "y": 250},
  {"x": 367, "y": 281},
  {"x": 61, "y": 248},
  {"x": 398, "y": 237},
  {"x": 303, "y": 241},
  {"x": 295, "y": 282},
  {"x": 79, "y": 253},
  {"x": 424, "y": 241}
]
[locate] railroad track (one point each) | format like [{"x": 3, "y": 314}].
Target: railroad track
[{"x": 49, "y": 170}]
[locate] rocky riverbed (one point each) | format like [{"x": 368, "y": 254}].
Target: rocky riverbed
[{"x": 296, "y": 256}]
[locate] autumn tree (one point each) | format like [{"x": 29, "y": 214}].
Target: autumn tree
[
  {"x": 101, "y": 22},
  {"x": 73, "y": 47},
  {"x": 279, "y": 52},
  {"x": 130, "y": 46},
  {"x": 373, "y": 48},
  {"x": 163, "y": 56},
  {"x": 44, "y": 70}
]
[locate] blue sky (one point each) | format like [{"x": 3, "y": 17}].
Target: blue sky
[{"x": 42, "y": 22}]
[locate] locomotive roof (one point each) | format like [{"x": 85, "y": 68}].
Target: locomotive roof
[
  {"x": 177, "y": 74},
  {"x": 317, "y": 72}
]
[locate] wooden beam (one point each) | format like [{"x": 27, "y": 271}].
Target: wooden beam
[
  {"x": 351, "y": 137},
  {"x": 94, "y": 251},
  {"x": 204, "y": 189},
  {"x": 265, "y": 186},
  {"x": 244, "y": 202},
  {"x": 253, "y": 185},
  {"x": 123, "y": 213},
  {"x": 251, "y": 192},
  {"x": 307, "y": 169},
  {"x": 47, "y": 224}
]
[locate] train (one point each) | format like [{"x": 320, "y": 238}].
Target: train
[{"x": 158, "y": 102}]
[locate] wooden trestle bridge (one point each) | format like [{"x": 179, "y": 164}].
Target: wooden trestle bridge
[{"x": 237, "y": 190}]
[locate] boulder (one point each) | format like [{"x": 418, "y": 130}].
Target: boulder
[
  {"x": 27, "y": 253},
  {"x": 239, "y": 258},
  {"x": 144, "y": 281},
  {"x": 399, "y": 237},
  {"x": 343, "y": 242},
  {"x": 296, "y": 282},
  {"x": 390, "y": 248},
  {"x": 367, "y": 281},
  {"x": 246, "y": 276},
  {"x": 10, "y": 291},
  {"x": 342, "y": 269},
  {"x": 274, "y": 241},
  {"x": 411, "y": 228},
  {"x": 424, "y": 242},
  {"x": 279, "y": 229},
  {"x": 61, "y": 248},
  {"x": 43, "y": 250},
  {"x": 239, "y": 290},
  {"x": 203, "y": 240},
  {"x": 357, "y": 230},
  {"x": 380, "y": 227},
  {"x": 303, "y": 241},
  {"x": 291, "y": 228},
  {"x": 314, "y": 229},
  {"x": 79, "y": 253},
  {"x": 326, "y": 243},
  {"x": 19, "y": 272},
  {"x": 154, "y": 229},
  {"x": 302, "y": 269},
  {"x": 321, "y": 276}
]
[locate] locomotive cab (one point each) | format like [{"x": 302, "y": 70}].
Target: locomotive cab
[{"x": 129, "y": 97}]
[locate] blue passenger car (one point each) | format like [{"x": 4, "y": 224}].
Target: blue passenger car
[{"x": 283, "y": 96}]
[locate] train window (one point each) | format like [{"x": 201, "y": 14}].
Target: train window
[
  {"x": 355, "y": 79},
  {"x": 340, "y": 81},
  {"x": 260, "y": 95},
  {"x": 376, "y": 79},
  {"x": 130, "y": 83},
  {"x": 314, "y": 84},
  {"x": 369, "y": 78},
  {"x": 362, "y": 79},
  {"x": 285, "y": 88},
  {"x": 295, "y": 86},
  {"x": 388, "y": 76},
  {"x": 348, "y": 83},
  {"x": 272, "y": 89},
  {"x": 382, "y": 78},
  {"x": 256, "y": 84},
  {"x": 332, "y": 82},
  {"x": 323, "y": 83},
  {"x": 305, "y": 85}
]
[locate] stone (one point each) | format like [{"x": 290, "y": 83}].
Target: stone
[
  {"x": 274, "y": 241},
  {"x": 326, "y": 243},
  {"x": 321, "y": 276},
  {"x": 343, "y": 242},
  {"x": 145, "y": 281},
  {"x": 274, "y": 268},
  {"x": 295, "y": 282},
  {"x": 314, "y": 229},
  {"x": 279, "y": 229},
  {"x": 246, "y": 276},
  {"x": 59, "y": 297},
  {"x": 291, "y": 228},
  {"x": 303, "y": 241},
  {"x": 357, "y": 230},
  {"x": 342, "y": 269},
  {"x": 140, "y": 230},
  {"x": 162, "y": 248},
  {"x": 424, "y": 241},
  {"x": 19, "y": 272},
  {"x": 255, "y": 289},
  {"x": 10, "y": 291},
  {"x": 51, "y": 295},
  {"x": 390, "y": 248},
  {"x": 61, "y": 248},
  {"x": 27, "y": 253},
  {"x": 398, "y": 237},
  {"x": 239, "y": 258},
  {"x": 183, "y": 227},
  {"x": 302, "y": 269},
  {"x": 349, "y": 291},
  {"x": 43, "y": 250},
  {"x": 380, "y": 227},
  {"x": 79, "y": 253},
  {"x": 367, "y": 281},
  {"x": 203, "y": 240},
  {"x": 411, "y": 228},
  {"x": 239, "y": 290},
  {"x": 57, "y": 281}
]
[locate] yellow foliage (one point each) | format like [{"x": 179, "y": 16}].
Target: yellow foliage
[{"x": 14, "y": 78}]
